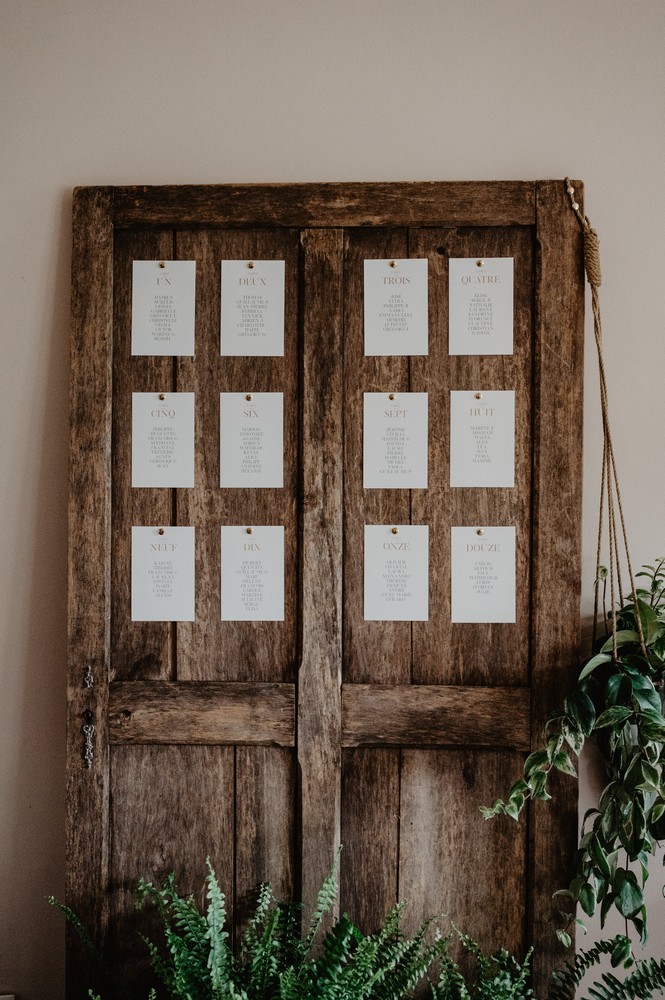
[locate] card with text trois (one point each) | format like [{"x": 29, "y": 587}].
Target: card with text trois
[
  {"x": 163, "y": 306},
  {"x": 252, "y": 313},
  {"x": 395, "y": 296},
  {"x": 480, "y": 305}
]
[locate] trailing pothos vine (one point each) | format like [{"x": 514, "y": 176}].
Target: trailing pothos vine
[{"x": 617, "y": 702}]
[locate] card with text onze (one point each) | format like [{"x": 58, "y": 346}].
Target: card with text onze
[
  {"x": 163, "y": 439},
  {"x": 163, "y": 307},
  {"x": 482, "y": 569},
  {"x": 480, "y": 305},
  {"x": 396, "y": 578},
  {"x": 251, "y": 439},
  {"x": 482, "y": 438},
  {"x": 252, "y": 315},
  {"x": 252, "y": 573},
  {"x": 395, "y": 440},
  {"x": 395, "y": 307},
  {"x": 162, "y": 574}
]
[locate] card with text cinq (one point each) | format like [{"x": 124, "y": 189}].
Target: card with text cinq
[
  {"x": 162, "y": 574},
  {"x": 252, "y": 316},
  {"x": 480, "y": 305},
  {"x": 482, "y": 568},
  {"x": 482, "y": 438},
  {"x": 395, "y": 440},
  {"x": 252, "y": 573},
  {"x": 251, "y": 439},
  {"x": 395, "y": 296},
  {"x": 396, "y": 572},
  {"x": 163, "y": 439},
  {"x": 163, "y": 307}
]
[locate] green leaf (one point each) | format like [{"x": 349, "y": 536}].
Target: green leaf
[
  {"x": 650, "y": 777},
  {"x": 645, "y": 694},
  {"x": 629, "y": 895},
  {"x": 562, "y": 762},
  {"x": 595, "y": 661},
  {"x": 598, "y": 857},
  {"x": 618, "y": 689},
  {"x": 624, "y": 638},
  {"x": 587, "y": 899},
  {"x": 621, "y": 952},
  {"x": 574, "y": 737},
  {"x": 614, "y": 716},
  {"x": 565, "y": 938}
]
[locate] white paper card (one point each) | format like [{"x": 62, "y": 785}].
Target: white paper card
[
  {"x": 395, "y": 307},
  {"x": 395, "y": 440},
  {"x": 480, "y": 301},
  {"x": 252, "y": 317},
  {"x": 482, "y": 438},
  {"x": 162, "y": 574},
  {"x": 396, "y": 572},
  {"x": 163, "y": 307},
  {"x": 163, "y": 439},
  {"x": 252, "y": 574},
  {"x": 483, "y": 574},
  {"x": 251, "y": 439}
]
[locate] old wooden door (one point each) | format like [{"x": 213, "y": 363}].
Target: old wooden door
[{"x": 265, "y": 745}]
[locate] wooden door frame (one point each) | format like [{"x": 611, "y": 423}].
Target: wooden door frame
[{"x": 336, "y": 713}]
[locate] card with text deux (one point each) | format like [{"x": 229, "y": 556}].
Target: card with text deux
[
  {"x": 252, "y": 314},
  {"x": 163, "y": 439},
  {"x": 396, "y": 577},
  {"x": 162, "y": 574},
  {"x": 480, "y": 305},
  {"x": 252, "y": 573},
  {"x": 251, "y": 439},
  {"x": 395, "y": 440},
  {"x": 482, "y": 438},
  {"x": 395, "y": 297},
  {"x": 482, "y": 567},
  {"x": 163, "y": 307}
]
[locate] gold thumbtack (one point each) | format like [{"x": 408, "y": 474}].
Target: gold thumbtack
[
  {"x": 478, "y": 395},
  {"x": 161, "y": 531},
  {"x": 249, "y": 397},
  {"x": 249, "y": 531},
  {"x": 250, "y": 264},
  {"x": 480, "y": 531},
  {"x": 395, "y": 531},
  {"x": 162, "y": 396},
  {"x": 393, "y": 263},
  {"x": 391, "y": 395},
  {"x": 162, "y": 263},
  {"x": 480, "y": 263}
]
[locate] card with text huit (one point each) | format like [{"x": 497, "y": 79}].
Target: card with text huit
[{"x": 482, "y": 438}]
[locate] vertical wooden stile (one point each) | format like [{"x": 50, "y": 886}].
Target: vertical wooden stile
[
  {"x": 319, "y": 702},
  {"x": 89, "y": 605}
]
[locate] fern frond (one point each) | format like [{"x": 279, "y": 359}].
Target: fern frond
[
  {"x": 219, "y": 958},
  {"x": 324, "y": 904},
  {"x": 564, "y": 981},
  {"x": 647, "y": 978}
]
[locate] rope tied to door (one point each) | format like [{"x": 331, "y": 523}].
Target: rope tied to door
[{"x": 610, "y": 492}]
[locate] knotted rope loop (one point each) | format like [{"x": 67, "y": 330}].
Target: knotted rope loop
[{"x": 609, "y": 489}]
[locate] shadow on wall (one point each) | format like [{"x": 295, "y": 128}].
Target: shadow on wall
[{"x": 32, "y": 934}]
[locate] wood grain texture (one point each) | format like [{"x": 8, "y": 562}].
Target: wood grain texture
[
  {"x": 429, "y": 716},
  {"x": 141, "y": 650},
  {"x": 210, "y": 649},
  {"x": 89, "y": 607},
  {"x": 319, "y": 701},
  {"x": 465, "y": 203},
  {"x": 172, "y": 807},
  {"x": 443, "y": 652},
  {"x": 557, "y": 513},
  {"x": 370, "y": 835},
  {"x": 451, "y": 861},
  {"x": 155, "y": 712},
  {"x": 374, "y": 652},
  {"x": 265, "y": 826}
]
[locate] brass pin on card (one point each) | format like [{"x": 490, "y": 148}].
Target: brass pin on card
[
  {"x": 250, "y": 264},
  {"x": 161, "y": 531}
]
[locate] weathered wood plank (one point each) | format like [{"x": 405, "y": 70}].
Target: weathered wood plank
[
  {"x": 557, "y": 515},
  {"x": 319, "y": 678},
  {"x": 430, "y": 716},
  {"x": 89, "y": 609},
  {"x": 451, "y": 861},
  {"x": 446, "y": 653},
  {"x": 158, "y": 712},
  {"x": 265, "y": 826},
  {"x": 374, "y": 652},
  {"x": 370, "y": 835},
  {"x": 172, "y": 808},
  {"x": 430, "y": 203},
  {"x": 210, "y": 649},
  {"x": 141, "y": 650}
]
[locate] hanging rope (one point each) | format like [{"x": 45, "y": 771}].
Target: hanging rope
[{"x": 610, "y": 494}]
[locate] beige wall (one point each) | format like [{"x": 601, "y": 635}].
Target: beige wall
[{"x": 162, "y": 91}]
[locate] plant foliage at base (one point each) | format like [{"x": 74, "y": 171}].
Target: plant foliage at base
[
  {"x": 497, "y": 977},
  {"x": 646, "y": 978},
  {"x": 616, "y": 701}
]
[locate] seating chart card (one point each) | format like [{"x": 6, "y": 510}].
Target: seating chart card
[
  {"x": 252, "y": 315},
  {"x": 482, "y": 574},
  {"x": 396, "y": 572},
  {"x": 252, "y": 573},
  {"x": 395, "y": 307},
  {"x": 251, "y": 439},
  {"x": 163, "y": 439},
  {"x": 480, "y": 300},
  {"x": 162, "y": 574},
  {"x": 482, "y": 438},
  {"x": 395, "y": 440},
  {"x": 163, "y": 296}
]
